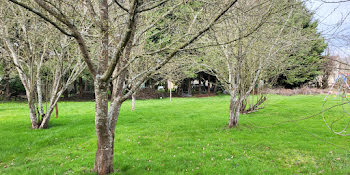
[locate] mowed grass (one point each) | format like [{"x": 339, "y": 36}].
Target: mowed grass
[{"x": 185, "y": 136}]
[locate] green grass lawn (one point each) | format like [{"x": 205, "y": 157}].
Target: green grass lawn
[{"x": 187, "y": 135}]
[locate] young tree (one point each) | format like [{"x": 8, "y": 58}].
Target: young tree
[{"x": 103, "y": 31}]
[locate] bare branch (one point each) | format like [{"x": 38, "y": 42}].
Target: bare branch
[
  {"x": 123, "y": 42},
  {"x": 121, "y": 6},
  {"x": 42, "y": 16},
  {"x": 152, "y": 7},
  {"x": 171, "y": 55},
  {"x": 76, "y": 34}
]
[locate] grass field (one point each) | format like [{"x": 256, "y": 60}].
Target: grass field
[{"x": 187, "y": 135}]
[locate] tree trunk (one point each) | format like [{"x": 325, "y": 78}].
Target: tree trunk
[
  {"x": 189, "y": 87},
  {"x": 45, "y": 121},
  {"x": 105, "y": 123},
  {"x": 7, "y": 80},
  {"x": 133, "y": 99},
  {"x": 81, "y": 87},
  {"x": 105, "y": 136},
  {"x": 234, "y": 112},
  {"x": 7, "y": 86},
  {"x": 86, "y": 86},
  {"x": 7, "y": 89},
  {"x": 32, "y": 111},
  {"x": 40, "y": 96}
]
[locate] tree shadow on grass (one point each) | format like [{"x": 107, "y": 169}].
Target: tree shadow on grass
[{"x": 56, "y": 124}]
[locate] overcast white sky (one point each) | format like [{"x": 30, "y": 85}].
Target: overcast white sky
[{"x": 334, "y": 24}]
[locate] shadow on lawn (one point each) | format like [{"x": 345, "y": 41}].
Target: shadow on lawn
[{"x": 54, "y": 125}]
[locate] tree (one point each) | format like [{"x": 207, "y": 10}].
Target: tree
[
  {"x": 5, "y": 73},
  {"x": 248, "y": 43},
  {"x": 29, "y": 47},
  {"x": 307, "y": 62},
  {"x": 100, "y": 26}
]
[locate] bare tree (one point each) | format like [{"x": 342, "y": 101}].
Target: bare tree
[
  {"x": 6, "y": 67},
  {"x": 252, "y": 42},
  {"x": 31, "y": 50}
]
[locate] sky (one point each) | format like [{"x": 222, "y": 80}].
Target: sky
[{"x": 334, "y": 24}]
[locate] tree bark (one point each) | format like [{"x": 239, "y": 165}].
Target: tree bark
[
  {"x": 32, "y": 111},
  {"x": 133, "y": 99},
  {"x": 105, "y": 137},
  {"x": 53, "y": 102},
  {"x": 234, "y": 112},
  {"x": 39, "y": 89}
]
